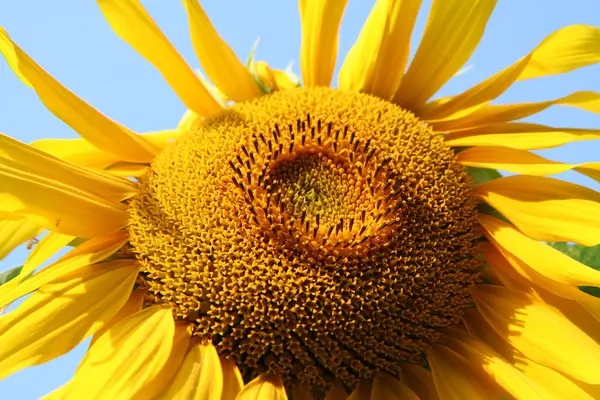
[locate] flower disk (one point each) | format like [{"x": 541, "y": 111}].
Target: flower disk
[{"x": 317, "y": 234}]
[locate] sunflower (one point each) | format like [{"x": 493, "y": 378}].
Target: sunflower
[{"x": 307, "y": 240}]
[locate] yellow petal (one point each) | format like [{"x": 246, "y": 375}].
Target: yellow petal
[
  {"x": 81, "y": 152},
  {"x": 98, "y": 129},
  {"x": 273, "y": 79},
  {"x": 37, "y": 162},
  {"x": 545, "y": 208},
  {"x": 16, "y": 232},
  {"x": 487, "y": 361},
  {"x": 265, "y": 387},
  {"x": 454, "y": 378},
  {"x": 388, "y": 388},
  {"x": 320, "y": 31},
  {"x": 125, "y": 170},
  {"x": 199, "y": 377},
  {"x": 133, "y": 305},
  {"x": 46, "y": 248},
  {"x": 375, "y": 63},
  {"x": 337, "y": 392},
  {"x": 232, "y": 379},
  {"x": 539, "y": 331},
  {"x": 220, "y": 63},
  {"x": 567, "y": 49},
  {"x": 61, "y": 314},
  {"x": 90, "y": 252},
  {"x": 453, "y": 31},
  {"x": 519, "y": 135},
  {"x": 57, "y": 206},
  {"x": 127, "y": 358},
  {"x": 554, "y": 382},
  {"x": 362, "y": 391},
  {"x": 61, "y": 393},
  {"x": 134, "y": 25},
  {"x": 521, "y": 161},
  {"x": 301, "y": 393},
  {"x": 495, "y": 114},
  {"x": 419, "y": 380},
  {"x": 542, "y": 258}
]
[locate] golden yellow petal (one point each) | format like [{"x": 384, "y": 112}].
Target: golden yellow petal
[
  {"x": 232, "y": 379},
  {"x": 376, "y": 62},
  {"x": 454, "y": 377},
  {"x": 273, "y": 79},
  {"x": 539, "y": 331},
  {"x": 199, "y": 378},
  {"x": 487, "y": 361},
  {"x": 521, "y": 161},
  {"x": 320, "y": 31},
  {"x": 419, "y": 380},
  {"x": 567, "y": 49},
  {"x": 362, "y": 391},
  {"x": 128, "y": 358},
  {"x": 61, "y": 314},
  {"x": 545, "y": 208},
  {"x": 16, "y": 232},
  {"x": 495, "y": 114},
  {"x": 265, "y": 387},
  {"x": 126, "y": 170},
  {"x": 132, "y": 23},
  {"x": 542, "y": 258},
  {"x": 42, "y": 164},
  {"x": 57, "y": 206},
  {"x": 98, "y": 129},
  {"x": 553, "y": 381},
  {"x": 387, "y": 388},
  {"x": 337, "y": 392},
  {"x": 133, "y": 305},
  {"x": 219, "y": 62},
  {"x": 76, "y": 151},
  {"x": 90, "y": 252},
  {"x": 453, "y": 31}
]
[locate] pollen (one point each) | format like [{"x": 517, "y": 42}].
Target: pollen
[{"x": 317, "y": 234}]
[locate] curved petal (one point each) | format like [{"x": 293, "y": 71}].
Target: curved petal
[
  {"x": 337, "y": 392},
  {"x": 61, "y": 314},
  {"x": 489, "y": 362},
  {"x": 386, "y": 387},
  {"x": 551, "y": 380},
  {"x": 519, "y": 135},
  {"x": 375, "y": 63},
  {"x": 567, "y": 49},
  {"x": 15, "y": 232},
  {"x": 545, "y": 208},
  {"x": 57, "y": 206},
  {"x": 274, "y": 79},
  {"x": 98, "y": 129},
  {"x": 362, "y": 391},
  {"x": 320, "y": 31},
  {"x": 419, "y": 380},
  {"x": 542, "y": 258},
  {"x": 453, "y": 31},
  {"x": 264, "y": 387},
  {"x": 132, "y": 23},
  {"x": 454, "y": 378},
  {"x": 232, "y": 379},
  {"x": 199, "y": 378},
  {"x": 494, "y": 114},
  {"x": 521, "y": 161},
  {"x": 42, "y": 164},
  {"x": 90, "y": 252},
  {"x": 539, "y": 331},
  {"x": 127, "y": 358},
  {"x": 220, "y": 63}
]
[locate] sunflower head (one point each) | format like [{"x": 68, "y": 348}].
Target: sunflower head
[{"x": 305, "y": 239}]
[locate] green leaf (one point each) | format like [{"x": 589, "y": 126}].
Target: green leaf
[
  {"x": 589, "y": 256},
  {"x": 482, "y": 175},
  {"x": 10, "y": 274}
]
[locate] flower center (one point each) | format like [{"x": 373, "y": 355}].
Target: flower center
[{"x": 313, "y": 233}]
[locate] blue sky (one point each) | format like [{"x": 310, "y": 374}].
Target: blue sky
[{"x": 72, "y": 41}]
